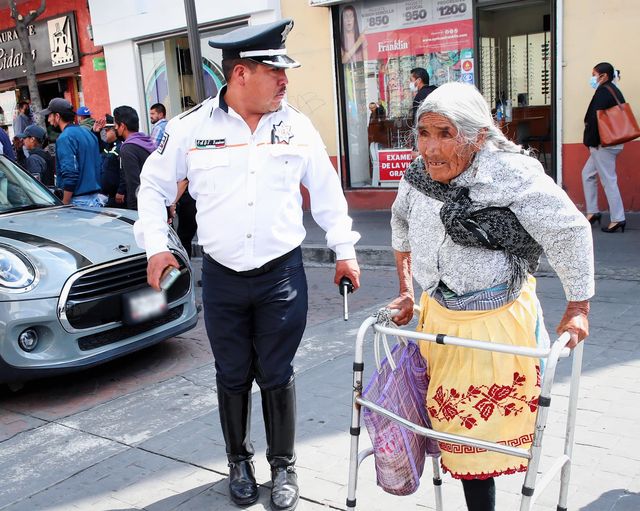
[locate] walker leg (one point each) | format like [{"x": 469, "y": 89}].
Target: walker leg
[
  {"x": 576, "y": 368},
  {"x": 355, "y": 436},
  {"x": 437, "y": 482}
]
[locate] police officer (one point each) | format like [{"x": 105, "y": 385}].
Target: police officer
[{"x": 245, "y": 154}]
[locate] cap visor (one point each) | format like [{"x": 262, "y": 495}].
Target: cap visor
[
  {"x": 22, "y": 135},
  {"x": 46, "y": 111},
  {"x": 279, "y": 61}
]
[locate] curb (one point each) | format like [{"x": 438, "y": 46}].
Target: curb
[{"x": 382, "y": 256}]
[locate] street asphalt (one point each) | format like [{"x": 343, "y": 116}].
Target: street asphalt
[{"x": 156, "y": 445}]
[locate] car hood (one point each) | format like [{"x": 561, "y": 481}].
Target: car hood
[{"x": 62, "y": 240}]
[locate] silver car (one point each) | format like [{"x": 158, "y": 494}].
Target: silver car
[{"x": 73, "y": 289}]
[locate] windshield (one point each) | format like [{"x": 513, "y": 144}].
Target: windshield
[{"x": 20, "y": 191}]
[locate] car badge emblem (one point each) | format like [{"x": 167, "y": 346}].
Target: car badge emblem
[{"x": 123, "y": 248}]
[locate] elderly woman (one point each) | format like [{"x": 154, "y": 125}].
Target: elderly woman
[{"x": 473, "y": 215}]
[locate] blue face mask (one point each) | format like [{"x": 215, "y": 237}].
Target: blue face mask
[{"x": 594, "y": 82}]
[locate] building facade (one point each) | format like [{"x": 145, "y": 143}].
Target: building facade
[
  {"x": 68, "y": 63},
  {"x": 531, "y": 59}
]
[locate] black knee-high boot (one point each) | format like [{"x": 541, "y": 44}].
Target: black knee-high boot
[
  {"x": 235, "y": 419},
  {"x": 279, "y": 410},
  {"x": 480, "y": 494}
]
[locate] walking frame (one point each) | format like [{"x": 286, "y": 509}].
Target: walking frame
[{"x": 530, "y": 492}]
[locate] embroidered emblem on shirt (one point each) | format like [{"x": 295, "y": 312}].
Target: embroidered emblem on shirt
[
  {"x": 281, "y": 134},
  {"x": 216, "y": 143},
  {"x": 163, "y": 143}
]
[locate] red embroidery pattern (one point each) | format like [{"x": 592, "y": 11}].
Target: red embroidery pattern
[
  {"x": 480, "y": 403},
  {"x": 484, "y": 475},
  {"x": 467, "y": 449}
]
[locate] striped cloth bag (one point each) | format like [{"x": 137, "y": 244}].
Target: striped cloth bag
[{"x": 401, "y": 388}]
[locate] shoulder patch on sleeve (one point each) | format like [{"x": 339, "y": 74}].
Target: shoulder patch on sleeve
[{"x": 163, "y": 143}]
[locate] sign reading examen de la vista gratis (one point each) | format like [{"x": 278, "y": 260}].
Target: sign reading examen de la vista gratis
[
  {"x": 393, "y": 163},
  {"x": 54, "y": 46}
]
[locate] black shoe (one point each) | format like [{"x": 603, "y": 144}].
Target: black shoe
[
  {"x": 235, "y": 419},
  {"x": 243, "y": 488},
  {"x": 594, "y": 217},
  {"x": 615, "y": 227},
  {"x": 284, "y": 492},
  {"x": 279, "y": 411}
]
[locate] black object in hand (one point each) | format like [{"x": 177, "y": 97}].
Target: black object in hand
[{"x": 345, "y": 287}]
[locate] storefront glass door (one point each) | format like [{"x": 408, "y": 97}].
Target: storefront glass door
[{"x": 515, "y": 71}]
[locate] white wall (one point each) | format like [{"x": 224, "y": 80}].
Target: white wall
[
  {"x": 117, "y": 23},
  {"x": 119, "y": 20}
]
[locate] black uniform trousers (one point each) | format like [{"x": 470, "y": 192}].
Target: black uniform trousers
[{"x": 255, "y": 320}]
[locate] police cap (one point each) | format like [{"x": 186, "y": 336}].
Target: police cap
[{"x": 262, "y": 43}]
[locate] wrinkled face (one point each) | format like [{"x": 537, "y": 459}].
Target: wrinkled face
[
  {"x": 445, "y": 155},
  {"x": 266, "y": 87}
]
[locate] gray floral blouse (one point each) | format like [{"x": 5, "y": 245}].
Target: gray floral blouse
[{"x": 500, "y": 179}]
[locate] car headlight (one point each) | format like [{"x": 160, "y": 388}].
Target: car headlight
[{"x": 16, "y": 272}]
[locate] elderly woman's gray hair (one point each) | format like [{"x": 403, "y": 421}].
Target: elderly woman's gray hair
[{"x": 468, "y": 111}]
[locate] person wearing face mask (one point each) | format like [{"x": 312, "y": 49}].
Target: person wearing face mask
[
  {"x": 112, "y": 177},
  {"x": 136, "y": 148},
  {"x": 419, "y": 86},
  {"x": 602, "y": 160}
]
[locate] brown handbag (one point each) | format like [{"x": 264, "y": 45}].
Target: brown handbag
[{"x": 617, "y": 124}]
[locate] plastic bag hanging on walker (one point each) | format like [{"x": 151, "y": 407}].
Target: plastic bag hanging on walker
[{"x": 401, "y": 387}]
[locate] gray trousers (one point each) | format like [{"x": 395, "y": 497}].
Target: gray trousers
[{"x": 602, "y": 163}]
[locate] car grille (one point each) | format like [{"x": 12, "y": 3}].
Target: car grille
[
  {"x": 95, "y": 298},
  {"x": 91, "y": 342}
]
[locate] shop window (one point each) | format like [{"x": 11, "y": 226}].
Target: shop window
[
  {"x": 380, "y": 42},
  {"x": 515, "y": 64},
  {"x": 168, "y": 72}
]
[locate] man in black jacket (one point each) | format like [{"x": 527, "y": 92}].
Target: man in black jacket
[
  {"x": 112, "y": 177},
  {"x": 135, "y": 150},
  {"x": 39, "y": 163},
  {"x": 419, "y": 85}
]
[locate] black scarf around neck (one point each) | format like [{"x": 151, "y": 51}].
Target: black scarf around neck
[{"x": 492, "y": 228}]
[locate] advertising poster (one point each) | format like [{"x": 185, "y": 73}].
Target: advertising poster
[
  {"x": 381, "y": 41},
  {"x": 399, "y": 35}
]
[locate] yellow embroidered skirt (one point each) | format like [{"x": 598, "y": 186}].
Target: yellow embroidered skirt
[{"x": 487, "y": 395}]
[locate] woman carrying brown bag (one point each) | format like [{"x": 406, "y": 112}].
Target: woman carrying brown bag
[{"x": 602, "y": 160}]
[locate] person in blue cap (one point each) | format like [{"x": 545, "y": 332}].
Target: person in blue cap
[
  {"x": 245, "y": 154},
  {"x": 84, "y": 117}
]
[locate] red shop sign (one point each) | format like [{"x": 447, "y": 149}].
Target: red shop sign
[{"x": 393, "y": 163}]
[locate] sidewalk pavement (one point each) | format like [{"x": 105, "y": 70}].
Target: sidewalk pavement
[
  {"x": 160, "y": 448},
  {"x": 616, "y": 254}
]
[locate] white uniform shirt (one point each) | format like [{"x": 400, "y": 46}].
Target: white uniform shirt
[{"x": 246, "y": 185}]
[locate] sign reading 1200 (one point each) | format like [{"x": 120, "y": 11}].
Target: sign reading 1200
[{"x": 451, "y": 10}]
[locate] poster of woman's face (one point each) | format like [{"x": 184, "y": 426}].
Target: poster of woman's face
[{"x": 350, "y": 34}]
